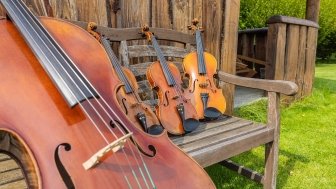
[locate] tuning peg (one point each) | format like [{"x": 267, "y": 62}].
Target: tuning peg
[{"x": 195, "y": 21}]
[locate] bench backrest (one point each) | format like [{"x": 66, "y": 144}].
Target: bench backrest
[{"x": 137, "y": 54}]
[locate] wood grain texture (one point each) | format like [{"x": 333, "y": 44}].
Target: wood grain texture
[
  {"x": 65, "y": 9},
  {"x": 276, "y": 39},
  {"x": 229, "y": 47},
  {"x": 291, "y": 56},
  {"x": 301, "y": 61},
  {"x": 310, "y": 60},
  {"x": 313, "y": 10},
  {"x": 291, "y": 20},
  {"x": 272, "y": 148},
  {"x": 279, "y": 86}
]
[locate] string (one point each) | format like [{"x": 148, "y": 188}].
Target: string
[
  {"x": 106, "y": 124},
  {"x": 165, "y": 68},
  {"x": 90, "y": 119},
  {"x": 112, "y": 119}
]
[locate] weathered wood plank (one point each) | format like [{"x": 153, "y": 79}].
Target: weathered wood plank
[
  {"x": 212, "y": 132},
  {"x": 229, "y": 47},
  {"x": 198, "y": 11},
  {"x": 301, "y": 60},
  {"x": 65, "y": 9},
  {"x": 92, "y": 11},
  {"x": 212, "y": 20},
  {"x": 141, "y": 68},
  {"x": 11, "y": 176},
  {"x": 279, "y": 86},
  {"x": 9, "y": 165},
  {"x": 276, "y": 41},
  {"x": 291, "y": 20},
  {"x": 313, "y": 10},
  {"x": 148, "y": 50},
  {"x": 226, "y": 149},
  {"x": 126, "y": 34},
  {"x": 37, "y": 6},
  {"x": 291, "y": 56},
  {"x": 252, "y": 60},
  {"x": 272, "y": 148},
  {"x": 223, "y": 121},
  {"x": 221, "y": 137},
  {"x": 20, "y": 184},
  {"x": 310, "y": 60},
  {"x": 2, "y": 11},
  {"x": 182, "y": 14}
]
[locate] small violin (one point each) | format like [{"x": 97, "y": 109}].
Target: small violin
[
  {"x": 201, "y": 67},
  {"x": 175, "y": 111},
  {"x": 127, "y": 95}
]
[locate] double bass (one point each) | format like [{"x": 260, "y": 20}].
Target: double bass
[
  {"x": 59, "y": 117},
  {"x": 201, "y": 67},
  {"x": 174, "y": 110},
  {"x": 127, "y": 95}
]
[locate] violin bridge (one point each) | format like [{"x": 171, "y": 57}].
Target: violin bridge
[{"x": 114, "y": 147}]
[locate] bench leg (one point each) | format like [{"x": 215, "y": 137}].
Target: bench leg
[{"x": 272, "y": 148}]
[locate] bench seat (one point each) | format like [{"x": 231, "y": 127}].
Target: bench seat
[{"x": 221, "y": 139}]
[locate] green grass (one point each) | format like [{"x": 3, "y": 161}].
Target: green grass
[{"x": 307, "y": 142}]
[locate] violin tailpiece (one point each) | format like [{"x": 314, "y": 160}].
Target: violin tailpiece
[
  {"x": 114, "y": 147},
  {"x": 180, "y": 110},
  {"x": 204, "y": 97},
  {"x": 143, "y": 122}
]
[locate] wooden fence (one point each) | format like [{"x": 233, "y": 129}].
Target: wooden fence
[
  {"x": 173, "y": 14},
  {"x": 288, "y": 46},
  {"x": 252, "y": 49},
  {"x": 176, "y": 14}
]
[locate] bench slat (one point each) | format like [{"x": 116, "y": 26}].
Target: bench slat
[
  {"x": 220, "y": 137},
  {"x": 148, "y": 50},
  {"x": 141, "y": 68},
  {"x": 206, "y": 137},
  {"x": 224, "y": 150}
]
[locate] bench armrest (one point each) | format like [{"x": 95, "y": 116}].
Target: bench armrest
[{"x": 278, "y": 86}]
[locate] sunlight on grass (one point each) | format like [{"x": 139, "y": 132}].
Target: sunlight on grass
[{"x": 307, "y": 142}]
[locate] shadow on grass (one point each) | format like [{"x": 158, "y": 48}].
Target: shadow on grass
[{"x": 225, "y": 178}]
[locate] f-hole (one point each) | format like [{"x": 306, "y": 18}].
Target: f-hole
[
  {"x": 61, "y": 169},
  {"x": 150, "y": 147}
]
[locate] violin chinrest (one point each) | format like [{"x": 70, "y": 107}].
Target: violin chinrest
[
  {"x": 211, "y": 113},
  {"x": 190, "y": 124},
  {"x": 155, "y": 130}
]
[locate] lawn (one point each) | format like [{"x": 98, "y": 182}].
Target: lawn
[{"x": 307, "y": 142}]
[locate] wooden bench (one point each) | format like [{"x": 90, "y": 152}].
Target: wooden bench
[{"x": 215, "y": 141}]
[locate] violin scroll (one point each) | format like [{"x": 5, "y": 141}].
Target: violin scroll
[
  {"x": 146, "y": 33},
  {"x": 91, "y": 28},
  {"x": 194, "y": 26}
]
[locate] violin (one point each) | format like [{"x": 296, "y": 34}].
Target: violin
[
  {"x": 60, "y": 119},
  {"x": 127, "y": 95},
  {"x": 175, "y": 111},
  {"x": 201, "y": 67}
]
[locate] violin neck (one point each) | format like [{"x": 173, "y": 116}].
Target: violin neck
[
  {"x": 200, "y": 53},
  {"x": 116, "y": 65},
  {"x": 61, "y": 69},
  {"x": 167, "y": 73}
]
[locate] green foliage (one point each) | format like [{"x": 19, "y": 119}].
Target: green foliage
[
  {"x": 307, "y": 157},
  {"x": 255, "y": 13}
]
